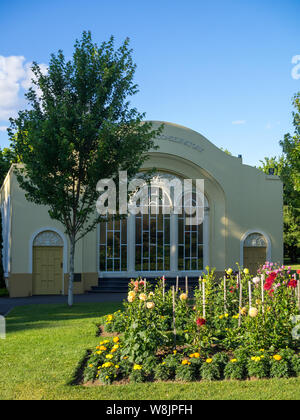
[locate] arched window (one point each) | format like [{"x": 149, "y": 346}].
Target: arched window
[{"x": 152, "y": 232}]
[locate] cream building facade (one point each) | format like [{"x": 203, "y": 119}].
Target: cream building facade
[{"x": 242, "y": 223}]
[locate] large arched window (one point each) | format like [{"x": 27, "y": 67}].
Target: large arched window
[{"x": 152, "y": 234}]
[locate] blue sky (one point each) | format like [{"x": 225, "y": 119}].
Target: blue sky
[{"x": 223, "y": 67}]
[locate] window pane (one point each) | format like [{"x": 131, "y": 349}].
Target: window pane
[
  {"x": 138, "y": 239},
  {"x": 102, "y": 233}
]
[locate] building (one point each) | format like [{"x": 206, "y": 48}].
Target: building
[{"x": 243, "y": 223}]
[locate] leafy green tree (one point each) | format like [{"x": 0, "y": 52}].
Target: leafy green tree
[
  {"x": 291, "y": 149},
  {"x": 80, "y": 129}
]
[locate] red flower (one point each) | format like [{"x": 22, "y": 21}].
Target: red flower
[
  {"x": 298, "y": 271},
  {"x": 292, "y": 283},
  {"x": 271, "y": 292},
  {"x": 268, "y": 285},
  {"x": 142, "y": 282},
  {"x": 200, "y": 322}
]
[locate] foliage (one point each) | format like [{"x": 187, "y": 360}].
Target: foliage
[
  {"x": 235, "y": 369},
  {"x": 210, "y": 370}
]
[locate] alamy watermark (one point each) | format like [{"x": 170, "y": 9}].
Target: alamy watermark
[
  {"x": 159, "y": 195},
  {"x": 2, "y": 328},
  {"x": 296, "y": 68}
]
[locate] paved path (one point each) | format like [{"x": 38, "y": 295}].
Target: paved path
[{"x": 6, "y": 304}]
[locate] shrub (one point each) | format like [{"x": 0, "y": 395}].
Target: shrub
[
  {"x": 210, "y": 370},
  {"x": 280, "y": 368},
  {"x": 221, "y": 359},
  {"x": 295, "y": 363},
  {"x": 137, "y": 374},
  {"x": 163, "y": 372},
  {"x": 259, "y": 367},
  {"x": 187, "y": 371},
  {"x": 235, "y": 369}
]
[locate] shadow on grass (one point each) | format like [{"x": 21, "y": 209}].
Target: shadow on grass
[{"x": 41, "y": 316}]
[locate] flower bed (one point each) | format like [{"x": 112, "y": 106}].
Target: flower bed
[{"x": 236, "y": 328}]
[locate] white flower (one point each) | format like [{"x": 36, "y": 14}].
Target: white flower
[
  {"x": 150, "y": 305},
  {"x": 256, "y": 280}
]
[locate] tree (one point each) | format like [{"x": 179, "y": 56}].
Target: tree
[
  {"x": 80, "y": 129},
  {"x": 291, "y": 149},
  {"x": 287, "y": 167}
]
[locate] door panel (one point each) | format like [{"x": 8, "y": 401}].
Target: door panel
[
  {"x": 47, "y": 270},
  {"x": 254, "y": 257}
]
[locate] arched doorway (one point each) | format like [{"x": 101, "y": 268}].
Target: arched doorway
[
  {"x": 47, "y": 263},
  {"x": 254, "y": 251}
]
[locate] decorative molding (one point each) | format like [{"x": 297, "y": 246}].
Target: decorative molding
[
  {"x": 255, "y": 240},
  {"x": 48, "y": 238},
  {"x": 181, "y": 141}
]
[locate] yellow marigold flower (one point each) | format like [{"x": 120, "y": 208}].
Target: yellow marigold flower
[
  {"x": 137, "y": 367},
  {"x": 229, "y": 271},
  {"x": 106, "y": 377},
  {"x": 113, "y": 350},
  {"x": 197, "y": 355},
  {"x": 125, "y": 357},
  {"x": 183, "y": 296},
  {"x": 103, "y": 348},
  {"x": 116, "y": 339},
  {"x": 253, "y": 358},
  {"x": 191, "y": 355},
  {"x": 91, "y": 365},
  {"x": 221, "y": 316},
  {"x": 143, "y": 297},
  {"x": 235, "y": 316},
  {"x": 246, "y": 271},
  {"x": 185, "y": 362},
  {"x": 109, "y": 356},
  {"x": 98, "y": 352},
  {"x": 226, "y": 315},
  {"x": 209, "y": 360},
  {"x": 277, "y": 357},
  {"x": 109, "y": 318},
  {"x": 174, "y": 351},
  {"x": 233, "y": 360},
  {"x": 262, "y": 350},
  {"x": 257, "y": 359},
  {"x": 117, "y": 366}
]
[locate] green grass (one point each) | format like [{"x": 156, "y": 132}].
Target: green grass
[{"x": 45, "y": 342}]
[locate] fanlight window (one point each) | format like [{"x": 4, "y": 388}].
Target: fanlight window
[{"x": 152, "y": 234}]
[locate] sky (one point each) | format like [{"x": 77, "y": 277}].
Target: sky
[{"x": 225, "y": 68}]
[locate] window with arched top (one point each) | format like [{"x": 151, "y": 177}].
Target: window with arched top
[{"x": 254, "y": 251}]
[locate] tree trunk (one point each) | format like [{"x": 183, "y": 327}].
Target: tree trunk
[{"x": 71, "y": 271}]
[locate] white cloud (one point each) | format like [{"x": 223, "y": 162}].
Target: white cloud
[
  {"x": 3, "y": 127},
  {"x": 239, "y": 122},
  {"x": 15, "y": 76}
]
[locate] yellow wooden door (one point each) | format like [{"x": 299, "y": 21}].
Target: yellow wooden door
[
  {"x": 254, "y": 257},
  {"x": 47, "y": 270}
]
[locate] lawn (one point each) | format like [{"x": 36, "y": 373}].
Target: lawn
[{"x": 45, "y": 342}]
